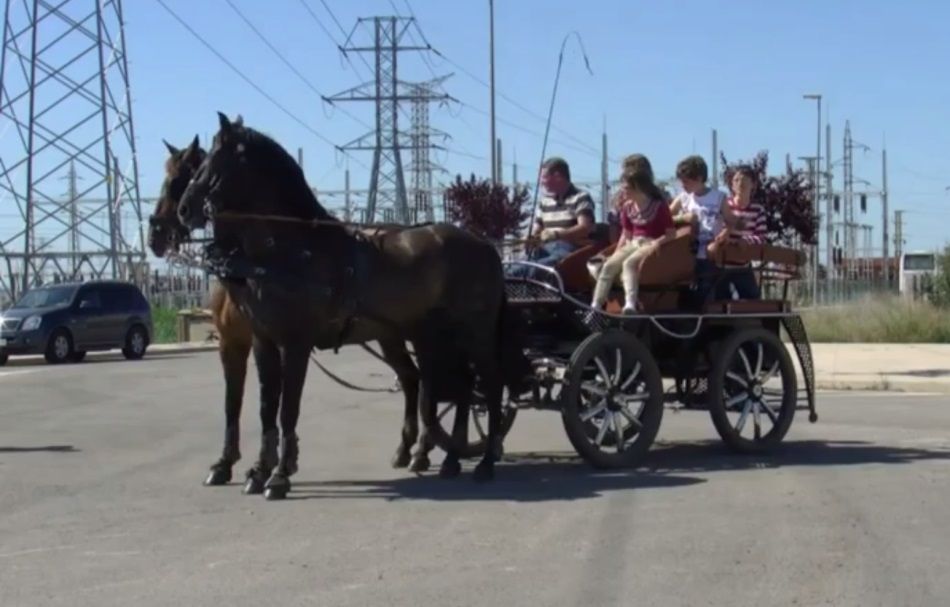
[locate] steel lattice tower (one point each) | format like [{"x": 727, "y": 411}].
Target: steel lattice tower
[
  {"x": 65, "y": 107},
  {"x": 422, "y": 168},
  {"x": 387, "y": 185}
]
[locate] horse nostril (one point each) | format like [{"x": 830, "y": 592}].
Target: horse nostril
[{"x": 183, "y": 211}]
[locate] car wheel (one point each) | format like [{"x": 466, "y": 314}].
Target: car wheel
[
  {"x": 59, "y": 349},
  {"x": 77, "y": 357},
  {"x": 136, "y": 342}
]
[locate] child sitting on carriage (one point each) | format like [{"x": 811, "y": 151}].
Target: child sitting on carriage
[
  {"x": 645, "y": 222},
  {"x": 752, "y": 231}
]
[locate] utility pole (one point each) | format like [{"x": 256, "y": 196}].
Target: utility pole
[
  {"x": 715, "y": 160},
  {"x": 829, "y": 211},
  {"x": 491, "y": 87},
  {"x": 898, "y": 234},
  {"x": 499, "y": 163},
  {"x": 604, "y": 178},
  {"x": 884, "y": 217},
  {"x": 817, "y": 186}
]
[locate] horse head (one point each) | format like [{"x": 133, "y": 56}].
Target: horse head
[
  {"x": 247, "y": 172},
  {"x": 165, "y": 231}
]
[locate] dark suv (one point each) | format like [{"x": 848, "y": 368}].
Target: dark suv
[{"x": 65, "y": 321}]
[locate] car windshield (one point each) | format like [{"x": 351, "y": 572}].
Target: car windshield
[{"x": 46, "y": 297}]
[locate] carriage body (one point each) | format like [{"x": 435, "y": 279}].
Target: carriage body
[{"x": 611, "y": 376}]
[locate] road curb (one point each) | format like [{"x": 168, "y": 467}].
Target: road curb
[
  {"x": 154, "y": 351},
  {"x": 883, "y": 384}
]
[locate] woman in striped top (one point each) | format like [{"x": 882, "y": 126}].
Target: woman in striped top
[{"x": 752, "y": 228}]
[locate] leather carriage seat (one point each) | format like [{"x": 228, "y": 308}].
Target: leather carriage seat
[{"x": 573, "y": 268}]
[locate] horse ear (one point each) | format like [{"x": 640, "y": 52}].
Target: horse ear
[
  {"x": 192, "y": 154},
  {"x": 239, "y": 121},
  {"x": 171, "y": 149},
  {"x": 224, "y": 123}
]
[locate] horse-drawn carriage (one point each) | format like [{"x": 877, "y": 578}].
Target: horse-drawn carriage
[{"x": 611, "y": 375}]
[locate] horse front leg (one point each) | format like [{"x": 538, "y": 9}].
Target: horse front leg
[
  {"x": 294, "y": 361},
  {"x": 397, "y": 357},
  {"x": 233, "y": 353},
  {"x": 267, "y": 358}
]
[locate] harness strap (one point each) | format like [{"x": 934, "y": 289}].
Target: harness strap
[{"x": 346, "y": 384}]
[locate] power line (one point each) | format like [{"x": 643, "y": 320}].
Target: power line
[
  {"x": 250, "y": 82},
  {"x": 286, "y": 62}
]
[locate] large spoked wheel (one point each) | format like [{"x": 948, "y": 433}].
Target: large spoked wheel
[
  {"x": 752, "y": 391},
  {"x": 477, "y": 423},
  {"x": 612, "y": 401}
]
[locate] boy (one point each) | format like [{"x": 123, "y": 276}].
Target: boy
[{"x": 707, "y": 209}]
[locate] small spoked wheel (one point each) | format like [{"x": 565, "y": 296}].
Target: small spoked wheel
[
  {"x": 612, "y": 401},
  {"x": 752, "y": 391},
  {"x": 477, "y": 423}
]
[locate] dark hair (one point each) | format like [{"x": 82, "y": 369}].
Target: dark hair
[
  {"x": 557, "y": 165},
  {"x": 692, "y": 167},
  {"x": 637, "y": 162},
  {"x": 642, "y": 181},
  {"x": 747, "y": 171}
]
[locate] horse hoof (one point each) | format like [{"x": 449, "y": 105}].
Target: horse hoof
[
  {"x": 272, "y": 494},
  {"x": 450, "y": 469},
  {"x": 419, "y": 464},
  {"x": 253, "y": 486},
  {"x": 276, "y": 490},
  {"x": 218, "y": 476},
  {"x": 401, "y": 459},
  {"x": 484, "y": 472}
]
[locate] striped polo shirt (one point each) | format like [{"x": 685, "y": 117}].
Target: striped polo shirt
[
  {"x": 563, "y": 212},
  {"x": 753, "y": 218}
]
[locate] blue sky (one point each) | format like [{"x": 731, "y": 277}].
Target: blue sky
[{"x": 665, "y": 74}]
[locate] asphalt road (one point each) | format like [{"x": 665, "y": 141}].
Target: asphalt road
[{"x": 101, "y": 503}]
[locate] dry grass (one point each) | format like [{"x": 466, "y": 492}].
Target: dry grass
[{"x": 879, "y": 320}]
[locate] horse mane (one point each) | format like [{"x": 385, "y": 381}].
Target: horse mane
[{"x": 274, "y": 157}]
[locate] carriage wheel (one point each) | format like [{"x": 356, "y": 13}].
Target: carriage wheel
[
  {"x": 477, "y": 423},
  {"x": 752, "y": 391},
  {"x": 612, "y": 388}
]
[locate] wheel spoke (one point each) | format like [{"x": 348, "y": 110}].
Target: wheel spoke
[
  {"x": 745, "y": 363},
  {"x": 592, "y": 388},
  {"x": 773, "y": 416},
  {"x": 760, "y": 355},
  {"x": 772, "y": 372},
  {"x": 633, "y": 375},
  {"x": 603, "y": 371},
  {"x": 735, "y": 400},
  {"x": 618, "y": 431},
  {"x": 618, "y": 368},
  {"x": 604, "y": 425},
  {"x": 638, "y": 397},
  {"x": 594, "y": 411},
  {"x": 756, "y": 420},
  {"x": 633, "y": 419},
  {"x": 737, "y": 379},
  {"x": 742, "y": 418},
  {"x": 445, "y": 411},
  {"x": 479, "y": 429}
]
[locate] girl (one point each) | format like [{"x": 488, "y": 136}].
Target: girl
[
  {"x": 753, "y": 228},
  {"x": 645, "y": 222}
]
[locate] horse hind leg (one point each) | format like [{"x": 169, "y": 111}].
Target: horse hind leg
[
  {"x": 267, "y": 357},
  {"x": 233, "y": 353},
  {"x": 396, "y": 355}
]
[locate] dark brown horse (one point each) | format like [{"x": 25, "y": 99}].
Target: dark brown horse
[
  {"x": 309, "y": 282},
  {"x": 166, "y": 234}
]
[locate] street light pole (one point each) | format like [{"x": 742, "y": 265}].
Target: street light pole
[
  {"x": 817, "y": 183},
  {"x": 491, "y": 78}
]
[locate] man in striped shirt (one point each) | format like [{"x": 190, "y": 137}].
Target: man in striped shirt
[{"x": 565, "y": 215}]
